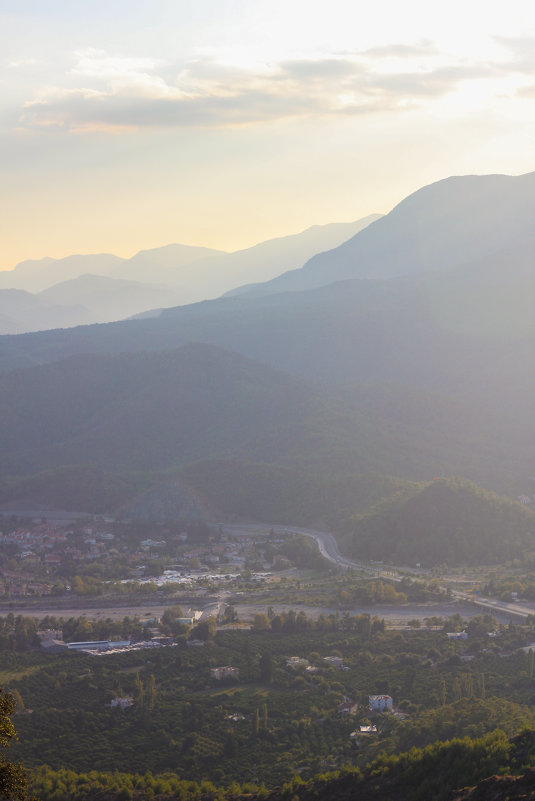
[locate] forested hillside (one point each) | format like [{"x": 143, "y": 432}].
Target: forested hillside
[{"x": 449, "y": 520}]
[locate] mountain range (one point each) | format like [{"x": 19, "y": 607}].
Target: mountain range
[
  {"x": 448, "y": 224},
  {"x": 407, "y": 351},
  {"x": 77, "y": 290}
]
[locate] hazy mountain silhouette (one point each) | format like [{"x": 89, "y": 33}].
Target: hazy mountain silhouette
[
  {"x": 212, "y": 273},
  {"x": 105, "y": 288},
  {"x": 156, "y": 411},
  {"x": 109, "y": 298},
  {"x": 34, "y": 275},
  {"x": 21, "y": 311},
  {"x": 455, "y": 221},
  {"x": 78, "y": 301},
  {"x": 448, "y": 352}
]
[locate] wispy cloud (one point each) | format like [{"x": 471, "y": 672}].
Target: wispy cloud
[
  {"x": 521, "y": 50},
  {"x": 108, "y": 91}
]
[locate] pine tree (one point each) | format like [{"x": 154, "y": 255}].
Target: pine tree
[
  {"x": 151, "y": 693},
  {"x": 139, "y": 691}
]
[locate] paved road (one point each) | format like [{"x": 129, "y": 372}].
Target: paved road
[{"x": 329, "y": 550}]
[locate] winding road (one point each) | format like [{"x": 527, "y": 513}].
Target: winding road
[{"x": 328, "y": 548}]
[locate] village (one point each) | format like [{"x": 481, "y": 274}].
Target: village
[{"x": 42, "y": 558}]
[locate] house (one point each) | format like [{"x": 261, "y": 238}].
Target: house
[
  {"x": 368, "y": 730},
  {"x": 380, "y": 703},
  {"x": 457, "y": 635},
  {"x": 235, "y": 717},
  {"x": 364, "y": 731},
  {"x": 296, "y": 662},
  {"x": 334, "y": 661},
  {"x": 227, "y": 672},
  {"x": 121, "y": 703}
]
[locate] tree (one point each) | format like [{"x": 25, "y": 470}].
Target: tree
[
  {"x": 261, "y": 622},
  {"x": 205, "y": 629},
  {"x": 13, "y": 781},
  {"x": 266, "y": 668},
  {"x": 230, "y": 615}
]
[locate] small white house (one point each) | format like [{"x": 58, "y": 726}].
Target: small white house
[
  {"x": 296, "y": 661},
  {"x": 121, "y": 703},
  {"x": 334, "y": 661},
  {"x": 226, "y": 672},
  {"x": 457, "y": 635},
  {"x": 380, "y": 703}
]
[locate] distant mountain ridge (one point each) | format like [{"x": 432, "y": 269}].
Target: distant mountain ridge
[
  {"x": 449, "y": 223},
  {"x": 84, "y": 300},
  {"x": 409, "y": 375},
  {"x": 152, "y": 412},
  {"x": 161, "y": 277}
]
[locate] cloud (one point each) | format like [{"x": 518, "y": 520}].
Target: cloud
[
  {"x": 522, "y": 52},
  {"x": 527, "y": 91},
  {"x": 422, "y": 48},
  {"x": 127, "y": 92}
]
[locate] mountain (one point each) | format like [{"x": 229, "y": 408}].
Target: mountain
[
  {"x": 443, "y": 390},
  {"x": 198, "y": 272},
  {"x": 21, "y": 311},
  {"x": 448, "y": 333},
  {"x": 153, "y": 412},
  {"x": 212, "y": 273},
  {"x": 78, "y": 301},
  {"x": 287, "y": 253},
  {"x": 468, "y": 329},
  {"x": 288, "y": 495},
  {"x": 109, "y": 299},
  {"x": 35, "y": 275},
  {"x": 448, "y": 521},
  {"x": 73, "y": 488},
  {"x": 421, "y": 375},
  {"x": 142, "y": 411},
  {"x": 220, "y": 274},
  {"x": 163, "y": 265},
  {"x": 104, "y": 288},
  {"x": 450, "y": 223}
]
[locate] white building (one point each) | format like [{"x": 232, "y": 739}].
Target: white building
[
  {"x": 380, "y": 703},
  {"x": 335, "y": 661},
  {"x": 121, "y": 703},
  {"x": 296, "y": 661}
]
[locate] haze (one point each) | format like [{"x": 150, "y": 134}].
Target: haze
[{"x": 134, "y": 125}]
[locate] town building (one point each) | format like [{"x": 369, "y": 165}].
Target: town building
[{"x": 380, "y": 703}]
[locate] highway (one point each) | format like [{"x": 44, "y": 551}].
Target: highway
[{"x": 328, "y": 548}]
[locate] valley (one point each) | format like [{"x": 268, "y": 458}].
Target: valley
[{"x": 230, "y": 525}]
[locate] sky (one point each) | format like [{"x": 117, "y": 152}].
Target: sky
[{"x": 131, "y": 125}]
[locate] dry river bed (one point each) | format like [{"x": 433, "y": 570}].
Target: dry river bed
[{"x": 391, "y": 613}]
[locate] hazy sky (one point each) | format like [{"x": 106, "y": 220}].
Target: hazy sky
[{"x": 132, "y": 124}]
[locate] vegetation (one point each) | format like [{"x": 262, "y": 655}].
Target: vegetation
[
  {"x": 84, "y": 488},
  {"x": 447, "y": 521},
  {"x": 13, "y": 780},
  {"x": 275, "y": 721},
  {"x": 429, "y": 774}
]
